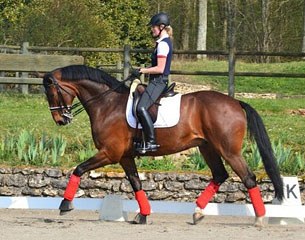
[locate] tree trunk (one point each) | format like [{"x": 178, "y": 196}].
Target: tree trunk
[
  {"x": 202, "y": 27},
  {"x": 266, "y": 26},
  {"x": 185, "y": 34},
  {"x": 303, "y": 45},
  {"x": 231, "y": 43}
]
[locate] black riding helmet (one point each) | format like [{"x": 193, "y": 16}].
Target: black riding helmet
[{"x": 158, "y": 19}]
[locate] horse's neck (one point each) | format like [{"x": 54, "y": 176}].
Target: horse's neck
[{"x": 104, "y": 103}]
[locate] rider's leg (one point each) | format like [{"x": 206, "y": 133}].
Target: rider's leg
[
  {"x": 151, "y": 94},
  {"x": 148, "y": 128}
]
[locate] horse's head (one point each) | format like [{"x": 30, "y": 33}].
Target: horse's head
[{"x": 60, "y": 97}]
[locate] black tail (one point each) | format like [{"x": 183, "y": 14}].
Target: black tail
[{"x": 258, "y": 132}]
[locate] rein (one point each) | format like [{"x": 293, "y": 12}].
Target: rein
[
  {"x": 78, "y": 107},
  {"x": 63, "y": 106}
]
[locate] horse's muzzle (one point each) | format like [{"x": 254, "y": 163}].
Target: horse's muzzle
[{"x": 63, "y": 118}]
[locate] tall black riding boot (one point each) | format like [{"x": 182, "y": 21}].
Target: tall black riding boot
[{"x": 149, "y": 144}]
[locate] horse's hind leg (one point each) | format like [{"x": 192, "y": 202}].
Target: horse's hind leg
[
  {"x": 219, "y": 176},
  {"x": 248, "y": 178},
  {"x": 130, "y": 169}
]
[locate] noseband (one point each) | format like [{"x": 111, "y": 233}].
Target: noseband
[{"x": 65, "y": 109}]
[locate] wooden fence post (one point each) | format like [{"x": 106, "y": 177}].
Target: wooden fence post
[
  {"x": 25, "y": 87},
  {"x": 126, "y": 61},
  {"x": 119, "y": 67},
  {"x": 2, "y": 85},
  {"x": 2, "y": 74}
]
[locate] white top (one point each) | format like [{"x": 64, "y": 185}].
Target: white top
[{"x": 163, "y": 48}]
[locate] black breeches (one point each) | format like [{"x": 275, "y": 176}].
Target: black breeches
[{"x": 152, "y": 92}]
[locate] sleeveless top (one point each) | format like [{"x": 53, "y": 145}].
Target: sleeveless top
[{"x": 160, "y": 51}]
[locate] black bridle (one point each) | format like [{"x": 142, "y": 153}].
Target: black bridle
[{"x": 67, "y": 110}]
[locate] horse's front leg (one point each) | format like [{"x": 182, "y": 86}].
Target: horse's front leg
[
  {"x": 98, "y": 160},
  {"x": 130, "y": 169}
]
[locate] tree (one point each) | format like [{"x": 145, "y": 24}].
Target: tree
[
  {"x": 128, "y": 19},
  {"x": 63, "y": 23},
  {"x": 10, "y": 11}
]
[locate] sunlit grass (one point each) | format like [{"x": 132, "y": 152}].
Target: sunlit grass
[
  {"x": 280, "y": 86},
  {"x": 30, "y": 112}
]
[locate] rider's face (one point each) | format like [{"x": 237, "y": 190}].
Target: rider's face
[{"x": 155, "y": 31}]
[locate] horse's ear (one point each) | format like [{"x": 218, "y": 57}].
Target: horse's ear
[{"x": 38, "y": 74}]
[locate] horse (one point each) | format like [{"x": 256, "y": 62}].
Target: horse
[{"x": 212, "y": 121}]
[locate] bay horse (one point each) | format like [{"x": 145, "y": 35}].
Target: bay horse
[{"x": 211, "y": 121}]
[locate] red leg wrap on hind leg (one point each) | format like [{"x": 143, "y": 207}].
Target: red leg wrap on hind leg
[
  {"x": 72, "y": 187},
  {"x": 207, "y": 194},
  {"x": 257, "y": 201},
  {"x": 143, "y": 202}
]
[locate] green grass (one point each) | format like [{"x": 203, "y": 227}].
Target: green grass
[
  {"x": 19, "y": 113},
  {"x": 280, "y": 123},
  {"x": 280, "y": 86},
  {"x": 30, "y": 112}
]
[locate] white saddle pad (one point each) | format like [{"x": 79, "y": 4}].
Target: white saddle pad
[{"x": 168, "y": 113}]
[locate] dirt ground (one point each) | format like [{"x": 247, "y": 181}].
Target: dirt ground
[{"x": 47, "y": 224}]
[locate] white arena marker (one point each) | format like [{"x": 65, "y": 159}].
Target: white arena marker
[
  {"x": 292, "y": 197},
  {"x": 112, "y": 209}
]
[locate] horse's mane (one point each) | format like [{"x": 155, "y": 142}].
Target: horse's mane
[{"x": 82, "y": 72}]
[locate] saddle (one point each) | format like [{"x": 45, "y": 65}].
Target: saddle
[{"x": 153, "y": 110}]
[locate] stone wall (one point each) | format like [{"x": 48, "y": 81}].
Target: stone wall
[{"x": 158, "y": 186}]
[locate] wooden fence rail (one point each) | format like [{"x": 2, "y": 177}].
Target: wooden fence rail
[{"x": 126, "y": 52}]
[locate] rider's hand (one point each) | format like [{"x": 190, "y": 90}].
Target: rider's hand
[{"x": 136, "y": 73}]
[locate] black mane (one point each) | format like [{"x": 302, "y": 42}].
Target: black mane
[{"x": 82, "y": 72}]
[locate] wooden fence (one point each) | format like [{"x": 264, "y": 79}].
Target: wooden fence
[{"x": 126, "y": 54}]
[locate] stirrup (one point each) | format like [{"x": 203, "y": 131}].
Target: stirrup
[{"x": 147, "y": 147}]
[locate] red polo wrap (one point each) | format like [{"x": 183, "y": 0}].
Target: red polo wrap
[
  {"x": 72, "y": 187},
  {"x": 143, "y": 202},
  {"x": 257, "y": 201},
  {"x": 207, "y": 194}
]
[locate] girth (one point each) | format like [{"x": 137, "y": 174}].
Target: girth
[{"x": 153, "y": 110}]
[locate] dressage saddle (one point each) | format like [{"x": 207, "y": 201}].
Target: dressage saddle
[{"x": 153, "y": 110}]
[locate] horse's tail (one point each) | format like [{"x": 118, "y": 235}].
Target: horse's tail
[{"x": 258, "y": 132}]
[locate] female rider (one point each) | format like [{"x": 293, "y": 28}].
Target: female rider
[{"x": 158, "y": 77}]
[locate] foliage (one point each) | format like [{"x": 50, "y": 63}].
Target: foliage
[
  {"x": 27, "y": 149},
  {"x": 129, "y": 18},
  {"x": 289, "y": 162},
  {"x": 261, "y": 25},
  {"x": 195, "y": 161},
  {"x": 10, "y": 11},
  {"x": 164, "y": 164},
  {"x": 61, "y": 23}
]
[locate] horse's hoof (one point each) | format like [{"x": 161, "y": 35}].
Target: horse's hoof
[
  {"x": 259, "y": 222},
  {"x": 140, "y": 219},
  {"x": 197, "y": 217},
  {"x": 65, "y": 207}
]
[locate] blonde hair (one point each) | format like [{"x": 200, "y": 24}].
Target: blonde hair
[{"x": 169, "y": 31}]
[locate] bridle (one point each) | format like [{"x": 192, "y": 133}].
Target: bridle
[
  {"x": 64, "y": 109},
  {"x": 67, "y": 110}
]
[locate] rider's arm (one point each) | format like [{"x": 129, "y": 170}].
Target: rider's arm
[
  {"x": 159, "y": 69},
  {"x": 162, "y": 52}
]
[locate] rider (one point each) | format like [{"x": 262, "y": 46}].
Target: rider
[{"x": 158, "y": 77}]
